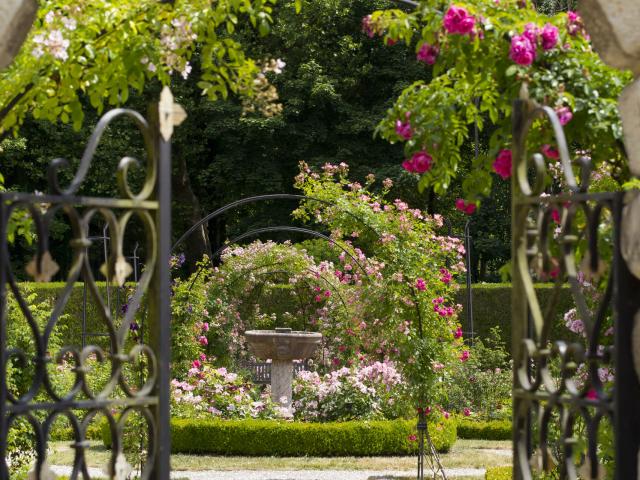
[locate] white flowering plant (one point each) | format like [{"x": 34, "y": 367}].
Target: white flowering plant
[
  {"x": 210, "y": 391},
  {"x": 362, "y": 392}
]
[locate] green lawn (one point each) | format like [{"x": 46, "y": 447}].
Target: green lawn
[{"x": 465, "y": 454}]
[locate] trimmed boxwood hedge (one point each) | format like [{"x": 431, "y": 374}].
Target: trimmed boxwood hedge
[
  {"x": 296, "y": 439},
  {"x": 492, "y": 307},
  {"x": 489, "y": 430},
  {"x": 499, "y": 473}
]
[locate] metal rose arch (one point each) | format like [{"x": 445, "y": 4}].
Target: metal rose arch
[
  {"x": 42, "y": 404},
  {"x": 567, "y": 417}
]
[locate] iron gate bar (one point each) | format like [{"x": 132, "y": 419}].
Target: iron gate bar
[
  {"x": 536, "y": 390},
  {"x": 261, "y": 198},
  {"x": 151, "y": 400}
]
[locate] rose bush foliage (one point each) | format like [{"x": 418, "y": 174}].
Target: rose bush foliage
[
  {"x": 403, "y": 298},
  {"x": 484, "y": 53}
]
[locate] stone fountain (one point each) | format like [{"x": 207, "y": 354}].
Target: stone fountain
[{"x": 282, "y": 346}]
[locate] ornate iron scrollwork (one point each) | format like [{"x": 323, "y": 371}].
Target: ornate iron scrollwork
[
  {"x": 42, "y": 403},
  {"x": 569, "y": 416}
]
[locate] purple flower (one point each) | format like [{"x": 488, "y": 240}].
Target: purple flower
[
  {"x": 564, "y": 115},
  {"x": 523, "y": 52},
  {"x": 458, "y": 21},
  {"x": 428, "y": 53},
  {"x": 549, "y": 36}
]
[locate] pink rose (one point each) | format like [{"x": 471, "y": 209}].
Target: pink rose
[
  {"x": 367, "y": 27},
  {"x": 466, "y": 412},
  {"x": 555, "y": 215},
  {"x": 421, "y": 285},
  {"x": 550, "y": 152},
  {"x": 530, "y": 32},
  {"x": 574, "y": 23},
  {"x": 549, "y": 36},
  {"x": 458, "y": 21},
  {"x": 564, "y": 115},
  {"x": 203, "y": 340},
  {"x": 522, "y": 51},
  {"x": 428, "y": 54},
  {"x": 464, "y": 356},
  {"x": 503, "y": 164}
]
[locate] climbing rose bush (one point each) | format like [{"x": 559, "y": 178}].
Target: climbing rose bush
[
  {"x": 484, "y": 53},
  {"x": 363, "y": 392},
  {"x": 401, "y": 270}
]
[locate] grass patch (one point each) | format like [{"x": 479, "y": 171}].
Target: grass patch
[{"x": 464, "y": 454}]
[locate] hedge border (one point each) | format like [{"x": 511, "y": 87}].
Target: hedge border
[
  {"x": 491, "y": 307},
  {"x": 484, "y": 430},
  {"x": 296, "y": 439}
]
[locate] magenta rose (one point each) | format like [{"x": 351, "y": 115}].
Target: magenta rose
[
  {"x": 550, "y": 152},
  {"x": 503, "y": 164},
  {"x": 549, "y": 36},
  {"x": 428, "y": 54},
  {"x": 458, "y": 21},
  {"x": 464, "y": 207},
  {"x": 523, "y": 52},
  {"x": 422, "y": 161},
  {"x": 403, "y": 129}
]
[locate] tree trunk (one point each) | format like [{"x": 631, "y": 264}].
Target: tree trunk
[{"x": 187, "y": 212}]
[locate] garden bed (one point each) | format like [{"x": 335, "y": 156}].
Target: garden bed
[{"x": 292, "y": 439}]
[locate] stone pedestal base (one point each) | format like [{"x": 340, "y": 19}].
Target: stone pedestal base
[{"x": 281, "y": 378}]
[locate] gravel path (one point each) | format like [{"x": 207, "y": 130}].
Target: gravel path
[{"x": 292, "y": 474}]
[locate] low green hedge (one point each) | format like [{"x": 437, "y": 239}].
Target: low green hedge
[
  {"x": 489, "y": 430},
  {"x": 499, "y": 473},
  {"x": 492, "y": 307},
  {"x": 296, "y": 439}
]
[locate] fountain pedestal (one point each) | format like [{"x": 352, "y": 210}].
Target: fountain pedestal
[
  {"x": 281, "y": 380},
  {"x": 282, "y": 346}
]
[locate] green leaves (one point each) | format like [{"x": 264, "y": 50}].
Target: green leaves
[
  {"x": 478, "y": 68},
  {"x": 104, "y": 49}
]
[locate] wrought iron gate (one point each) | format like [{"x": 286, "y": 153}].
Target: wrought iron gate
[
  {"x": 575, "y": 400},
  {"x": 42, "y": 404}
]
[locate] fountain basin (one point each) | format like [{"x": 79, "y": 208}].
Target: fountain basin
[
  {"x": 282, "y": 346},
  {"x": 282, "y": 343}
]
